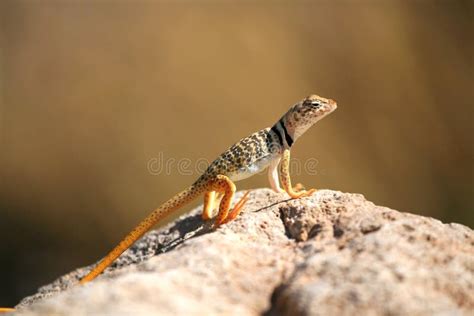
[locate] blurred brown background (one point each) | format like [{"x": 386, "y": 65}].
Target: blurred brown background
[{"x": 91, "y": 92}]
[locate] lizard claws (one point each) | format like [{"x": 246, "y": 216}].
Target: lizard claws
[
  {"x": 236, "y": 210},
  {"x": 301, "y": 194}
]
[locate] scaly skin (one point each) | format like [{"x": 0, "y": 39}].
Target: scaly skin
[
  {"x": 247, "y": 157},
  {"x": 269, "y": 147}
]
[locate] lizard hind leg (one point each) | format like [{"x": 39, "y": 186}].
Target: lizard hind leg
[
  {"x": 237, "y": 208},
  {"x": 224, "y": 185},
  {"x": 209, "y": 200}
]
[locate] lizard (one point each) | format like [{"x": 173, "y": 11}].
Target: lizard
[{"x": 267, "y": 148}]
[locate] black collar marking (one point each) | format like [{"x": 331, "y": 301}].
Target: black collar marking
[
  {"x": 288, "y": 138},
  {"x": 277, "y": 132}
]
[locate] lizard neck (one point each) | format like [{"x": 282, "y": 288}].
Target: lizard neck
[
  {"x": 292, "y": 125},
  {"x": 285, "y": 138},
  {"x": 288, "y": 130}
]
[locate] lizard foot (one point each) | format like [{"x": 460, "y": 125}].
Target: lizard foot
[
  {"x": 298, "y": 187},
  {"x": 237, "y": 208},
  {"x": 301, "y": 194}
]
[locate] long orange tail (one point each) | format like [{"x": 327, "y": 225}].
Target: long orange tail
[
  {"x": 158, "y": 214},
  {"x": 6, "y": 310}
]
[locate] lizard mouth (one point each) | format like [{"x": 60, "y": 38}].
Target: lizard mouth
[{"x": 330, "y": 107}]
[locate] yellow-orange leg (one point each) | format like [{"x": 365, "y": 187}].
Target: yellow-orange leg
[
  {"x": 286, "y": 180},
  {"x": 209, "y": 200},
  {"x": 223, "y": 184},
  {"x": 298, "y": 187},
  {"x": 217, "y": 200},
  {"x": 237, "y": 208}
]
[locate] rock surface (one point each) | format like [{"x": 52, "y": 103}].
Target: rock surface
[{"x": 331, "y": 253}]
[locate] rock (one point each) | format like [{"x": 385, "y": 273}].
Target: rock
[{"x": 331, "y": 253}]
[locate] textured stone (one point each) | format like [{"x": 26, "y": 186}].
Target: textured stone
[{"x": 331, "y": 253}]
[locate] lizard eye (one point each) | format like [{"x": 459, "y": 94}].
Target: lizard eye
[{"x": 315, "y": 104}]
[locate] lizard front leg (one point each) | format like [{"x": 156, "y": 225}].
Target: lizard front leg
[
  {"x": 273, "y": 176},
  {"x": 286, "y": 180}
]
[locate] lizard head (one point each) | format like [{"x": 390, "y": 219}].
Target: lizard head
[
  {"x": 307, "y": 112},
  {"x": 314, "y": 108}
]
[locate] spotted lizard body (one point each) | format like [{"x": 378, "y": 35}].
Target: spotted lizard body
[{"x": 267, "y": 148}]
